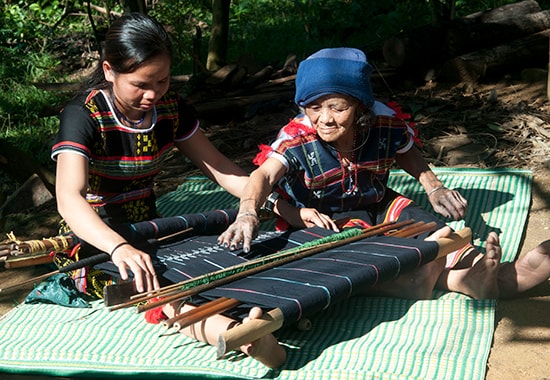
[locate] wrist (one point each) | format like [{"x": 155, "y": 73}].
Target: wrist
[
  {"x": 435, "y": 189},
  {"x": 116, "y": 247},
  {"x": 268, "y": 209},
  {"x": 247, "y": 213}
]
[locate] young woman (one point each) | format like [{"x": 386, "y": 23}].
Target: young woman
[
  {"x": 335, "y": 158},
  {"x": 113, "y": 140}
]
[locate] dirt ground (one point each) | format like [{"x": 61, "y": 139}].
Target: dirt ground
[{"x": 500, "y": 124}]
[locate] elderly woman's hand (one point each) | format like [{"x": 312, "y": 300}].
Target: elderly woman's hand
[
  {"x": 243, "y": 230},
  {"x": 448, "y": 203}
]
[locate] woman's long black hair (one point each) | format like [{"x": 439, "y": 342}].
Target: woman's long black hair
[{"x": 131, "y": 41}]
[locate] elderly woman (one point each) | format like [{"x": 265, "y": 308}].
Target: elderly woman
[{"x": 335, "y": 158}]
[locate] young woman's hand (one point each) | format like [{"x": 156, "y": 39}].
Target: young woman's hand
[{"x": 127, "y": 257}]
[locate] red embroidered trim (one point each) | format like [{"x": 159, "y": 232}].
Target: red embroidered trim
[{"x": 407, "y": 118}]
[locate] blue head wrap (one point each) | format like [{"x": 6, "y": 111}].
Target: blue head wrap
[{"x": 334, "y": 71}]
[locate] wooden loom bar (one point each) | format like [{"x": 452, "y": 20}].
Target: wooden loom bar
[
  {"x": 250, "y": 331},
  {"x": 414, "y": 229},
  {"x": 273, "y": 320}
]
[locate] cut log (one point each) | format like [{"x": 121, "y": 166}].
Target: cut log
[
  {"x": 427, "y": 47},
  {"x": 467, "y": 37},
  {"x": 216, "y": 108},
  {"x": 527, "y": 51},
  {"x": 32, "y": 193},
  {"x": 20, "y": 166},
  {"x": 506, "y": 11},
  {"x": 221, "y": 76}
]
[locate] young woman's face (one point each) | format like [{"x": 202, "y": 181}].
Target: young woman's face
[
  {"x": 140, "y": 90},
  {"x": 333, "y": 118}
]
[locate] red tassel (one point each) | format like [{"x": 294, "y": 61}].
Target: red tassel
[
  {"x": 405, "y": 117},
  {"x": 295, "y": 128},
  {"x": 156, "y": 315},
  {"x": 262, "y": 155}
]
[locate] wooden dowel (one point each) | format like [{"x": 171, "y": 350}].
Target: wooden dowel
[
  {"x": 175, "y": 234},
  {"x": 13, "y": 262},
  {"x": 455, "y": 241},
  {"x": 205, "y": 311},
  {"x": 33, "y": 280},
  {"x": 250, "y": 331},
  {"x": 403, "y": 231}
]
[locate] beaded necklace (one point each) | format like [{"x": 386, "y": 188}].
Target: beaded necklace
[
  {"x": 119, "y": 114},
  {"x": 350, "y": 167}
]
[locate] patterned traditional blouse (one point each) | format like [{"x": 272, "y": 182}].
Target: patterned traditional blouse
[
  {"x": 123, "y": 161},
  {"x": 316, "y": 177}
]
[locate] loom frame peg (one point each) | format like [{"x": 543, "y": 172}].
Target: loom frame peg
[{"x": 250, "y": 331}]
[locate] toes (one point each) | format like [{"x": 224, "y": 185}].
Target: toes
[
  {"x": 255, "y": 313},
  {"x": 442, "y": 232}
]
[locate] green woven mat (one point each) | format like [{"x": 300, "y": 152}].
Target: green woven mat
[{"x": 365, "y": 338}]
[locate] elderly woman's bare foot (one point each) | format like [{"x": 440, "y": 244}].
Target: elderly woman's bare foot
[
  {"x": 267, "y": 349},
  {"x": 527, "y": 272},
  {"x": 480, "y": 280}
]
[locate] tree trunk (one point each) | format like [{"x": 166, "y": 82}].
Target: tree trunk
[
  {"x": 217, "y": 46},
  {"x": 467, "y": 37},
  {"x": 548, "y": 77},
  {"x": 138, "y": 6}
]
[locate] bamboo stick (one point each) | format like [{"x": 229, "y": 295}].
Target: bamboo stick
[
  {"x": 414, "y": 229},
  {"x": 22, "y": 284},
  {"x": 212, "y": 304}
]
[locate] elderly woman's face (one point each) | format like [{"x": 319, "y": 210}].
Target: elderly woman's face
[{"x": 333, "y": 118}]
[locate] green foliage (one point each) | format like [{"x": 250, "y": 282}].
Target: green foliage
[
  {"x": 20, "y": 119},
  {"x": 40, "y": 40},
  {"x": 183, "y": 17},
  {"x": 28, "y": 23},
  {"x": 302, "y": 26}
]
